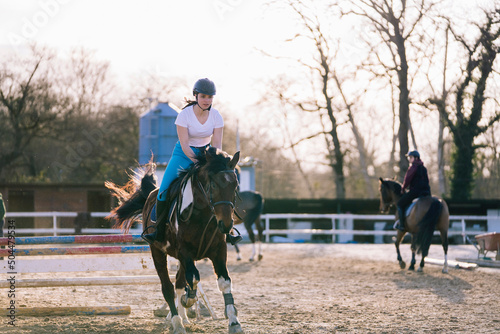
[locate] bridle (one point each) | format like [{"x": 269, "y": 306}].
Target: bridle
[
  {"x": 386, "y": 199},
  {"x": 212, "y": 205},
  {"x": 209, "y": 196}
]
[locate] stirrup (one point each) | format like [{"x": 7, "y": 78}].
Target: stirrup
[
  {"x": 396, "y": 225},
  {"x": 151, "y": 237},
  {"x": 234, "y": 239}
]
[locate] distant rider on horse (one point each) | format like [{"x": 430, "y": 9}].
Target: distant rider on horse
[{"x": 417, "y": 181}]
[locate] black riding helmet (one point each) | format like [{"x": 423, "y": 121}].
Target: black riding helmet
[
  {"x": 413, "y": 154},
  {"x": 204, "y": 86}
]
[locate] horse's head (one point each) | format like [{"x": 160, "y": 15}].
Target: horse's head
[
  {"x": 219, "y": 180},
  {"x": 389, "y": 194}
]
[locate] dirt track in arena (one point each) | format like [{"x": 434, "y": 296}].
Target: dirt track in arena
[{"x": 299, "y": 288}]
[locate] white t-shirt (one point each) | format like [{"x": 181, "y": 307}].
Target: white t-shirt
[{"x": 199, "y": 134}]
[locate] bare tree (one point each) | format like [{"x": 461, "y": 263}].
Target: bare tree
[
  {"x": 329, "y": 101},
  {"x": 28, "y": 106},
  {"x": 395, "y": 23},
  {"x": 467, "y": 121},
  {"x": 440, "y": 102}
]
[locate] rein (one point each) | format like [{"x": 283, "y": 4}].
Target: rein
[{"x": 209, "y": 199}]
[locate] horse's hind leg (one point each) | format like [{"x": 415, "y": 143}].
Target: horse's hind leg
[
  {"x": 413, "y": 251},
  {"x": 444, "y": 242},
  {"x": 399, "y": 237},
  {"x": 224, "y": 283},
  {"x": 261, "y": 238},
  {"x": 167, "y": 288},
  {"x": 238, "y": 256},
  {"x": 251, "y": 235}
]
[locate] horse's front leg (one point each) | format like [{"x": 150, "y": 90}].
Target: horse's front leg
[
  {"x": 399, "y": 237},
  {"x": 167, "y": 288},
  {"x": 224, "y": 283},
  {"x": 180, "y": 290},
  {"x": 192, "y": 276}
]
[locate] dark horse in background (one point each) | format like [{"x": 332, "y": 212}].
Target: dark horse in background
[
  {"x": 249, "y": 205},
  {"x": 193, "y": 233},
  {"x": 429, "y": 213}
]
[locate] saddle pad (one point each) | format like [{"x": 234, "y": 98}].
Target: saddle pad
[
  {"x": 410, "y": 207},
  {"x": 187, "y": 195}
]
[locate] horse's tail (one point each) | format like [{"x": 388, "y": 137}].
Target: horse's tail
[
  {"x": 255, "y": 212},
  {"x": 131, "y": 197},
  {"x": 427, "y": 226}
]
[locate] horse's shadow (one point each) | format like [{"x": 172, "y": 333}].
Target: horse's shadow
[
  {"x": 447, "y": 287},
  {"x": 242, "y": 267}
]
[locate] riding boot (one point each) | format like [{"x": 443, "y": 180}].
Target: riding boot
[
  {"x": 161, "y": 221},
  {"x": 401, "y": 225}
]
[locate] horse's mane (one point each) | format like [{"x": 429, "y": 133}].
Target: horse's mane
[{"x": 210, "y": 161}]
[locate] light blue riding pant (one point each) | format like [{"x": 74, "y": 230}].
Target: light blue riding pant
[{"x": 178, "y": 162}]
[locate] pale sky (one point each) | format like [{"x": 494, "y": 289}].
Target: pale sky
[{"x": 187, "y": 39}]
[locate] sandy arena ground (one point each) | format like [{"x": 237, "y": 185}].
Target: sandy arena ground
[{"x": 298, "y": 289}]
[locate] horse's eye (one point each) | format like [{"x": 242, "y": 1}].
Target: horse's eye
[{"x": 212, "y": 184}]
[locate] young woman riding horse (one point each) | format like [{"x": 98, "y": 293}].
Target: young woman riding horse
[
  {"x": 197, "y": 124},
  {"x": 193, "y": 233},
  {"x": 429, "y": 213}
]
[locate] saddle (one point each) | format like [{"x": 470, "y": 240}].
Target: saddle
[
  {"x": 410, "y": 207},
  {"x": 179, "y": 198}
]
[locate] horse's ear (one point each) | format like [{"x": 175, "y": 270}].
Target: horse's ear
[
  {"x": 381, "y": 180},
  {"x": 234, "y": 160}
]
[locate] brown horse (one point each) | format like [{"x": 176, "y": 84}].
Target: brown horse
[
  {"x": 193, "y": 233},
  {"x": 428, "y": 214}
]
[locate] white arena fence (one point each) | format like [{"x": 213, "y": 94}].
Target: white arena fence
[{"x": 298, "y": 226}]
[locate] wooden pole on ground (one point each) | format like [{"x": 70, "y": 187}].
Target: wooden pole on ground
[{"x": 69, "y": 311}]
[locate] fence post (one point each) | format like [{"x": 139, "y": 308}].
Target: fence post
[
  {"x": 334, "y": 235},
  {"x": 463, "y": 231},
  {"x": 54, "y": 223},
  {"x": 267, "y": 230}
]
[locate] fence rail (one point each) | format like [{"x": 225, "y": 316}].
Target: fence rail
[{"x": 337, "y": 220}]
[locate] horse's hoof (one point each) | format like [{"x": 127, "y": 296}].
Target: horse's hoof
[
  {"x": 412, "y": 267},
  {"x": 235, "y": 329},
  {"x": 250, "y": 259},
  {"x": 420, "y": 270},
  {"x": 402, "y": 264},
  {"x": 187, "y": 302},
  {"x": 177, "y": 325},
  {"x": 445, "y": 270},
  {"x": 238, "y": 259},
  {"x": 261, "y": 257}
]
